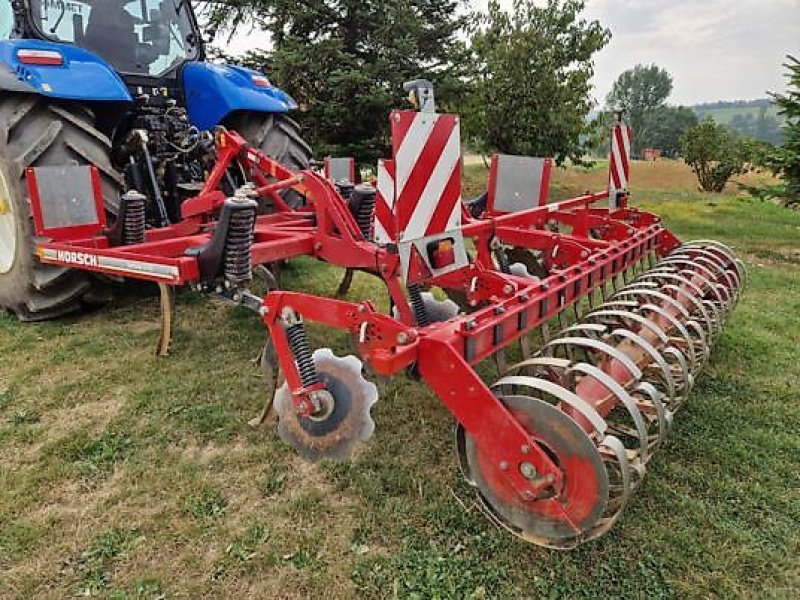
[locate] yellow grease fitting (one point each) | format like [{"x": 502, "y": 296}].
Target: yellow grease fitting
[{"x": 3, "y": 206}]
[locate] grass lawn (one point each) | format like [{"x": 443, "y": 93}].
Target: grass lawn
[{"x": 127, "y": 476}]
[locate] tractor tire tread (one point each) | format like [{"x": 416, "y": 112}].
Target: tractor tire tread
[{"x": 35, "y": 131}]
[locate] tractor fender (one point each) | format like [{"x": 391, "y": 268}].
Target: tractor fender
[
  {"x": 81, "y": 75},
  {"x": 214, "y": 91}
]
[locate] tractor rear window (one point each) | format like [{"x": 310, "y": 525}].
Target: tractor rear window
[
  {"x": 145, "y": 37},
  {"x": 6, "y": 19}
]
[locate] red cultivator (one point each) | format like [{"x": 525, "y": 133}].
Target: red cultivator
[{"x": 555, "y": 446}]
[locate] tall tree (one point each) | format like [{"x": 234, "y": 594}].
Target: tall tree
[
  {"x": 639, "y": 92},
  {"x": 785, "y": 161},
  {"x": 534, "y": 64},
  {"x": 345, "y": 61}
]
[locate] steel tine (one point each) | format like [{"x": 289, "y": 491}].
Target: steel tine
[
  {"x": 562, "y": 320},
  {"x": 167, "y": 302},
  {"x": 545, "y": 333},
  {"x": 525, "y": 346},
  {"x": 500, "y": 361}
]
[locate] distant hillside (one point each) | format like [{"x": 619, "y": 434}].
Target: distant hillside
[
  {"x": 724, "y": 112},
  {"x": 757, "y": 119}
]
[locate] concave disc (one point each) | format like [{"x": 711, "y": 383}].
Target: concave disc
[{"x": 349, "y": 421}]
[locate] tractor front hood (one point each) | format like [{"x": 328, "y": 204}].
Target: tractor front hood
[
  {"x": 214, "y": 91},
  {"x": 59, "y": 71}
]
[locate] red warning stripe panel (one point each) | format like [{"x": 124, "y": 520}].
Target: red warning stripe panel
[
  {"x": 619, "y": 166},
  {"x": 385, "y": 226},
  {"x": 427, "y": 151}
]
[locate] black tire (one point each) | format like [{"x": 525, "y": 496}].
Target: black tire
[
  {"x": 278, "y": 136},
  {"x": 36, "y": 132}
]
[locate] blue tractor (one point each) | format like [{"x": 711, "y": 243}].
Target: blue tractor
[{"x": 124, "y": 86}]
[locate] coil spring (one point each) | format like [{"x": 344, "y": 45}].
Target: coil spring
[
  {"x": 418, "y": 305},
  {"x": 365, "y": 216},
  {"x": 133, "y": 224},
  {"x": 345, "y": 188},
  {"x": 239, "y": 245},
  {"x": 298, "y": 342},
  {"x": 502, "y": 259}
]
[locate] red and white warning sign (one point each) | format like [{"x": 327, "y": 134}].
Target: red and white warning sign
[
  {"x": 385, "y": 224},
  {"x": 427, "y": 151},
  {"x": 619, "y": 163},
  {"x": 427, "y": 192}
]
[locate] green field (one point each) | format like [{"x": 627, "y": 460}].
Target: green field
[
  {"x": 127, "y": 476},
  {"x": 725, "y": 115}
]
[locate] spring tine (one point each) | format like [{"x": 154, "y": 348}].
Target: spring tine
[
  {"x": 500, "y": 361},
  {"x": 167, "y": 302},
  {"x": 578, "y": 310},
  {"x": 545, "y": 332},
  {"x": 562, "y": 320},
  {"x": 590, "y": 296},
  {"x": 525, "y": 346}
]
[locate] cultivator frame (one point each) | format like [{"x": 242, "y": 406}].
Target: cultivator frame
[{"x": 558, "y": 443}]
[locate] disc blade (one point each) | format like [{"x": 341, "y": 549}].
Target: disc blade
[
  {"x": 349, "y": 422},
  {"x": 560, "y": 518}
]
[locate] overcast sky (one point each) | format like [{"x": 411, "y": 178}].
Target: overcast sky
[{"x": 714, "y": 49}]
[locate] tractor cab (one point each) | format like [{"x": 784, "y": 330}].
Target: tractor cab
[{"x": 143, "y": 40}]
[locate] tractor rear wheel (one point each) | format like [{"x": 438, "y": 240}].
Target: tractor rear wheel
[
  {"x": 36, "y": 132},
  {"x": 277, "y": 136}
]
